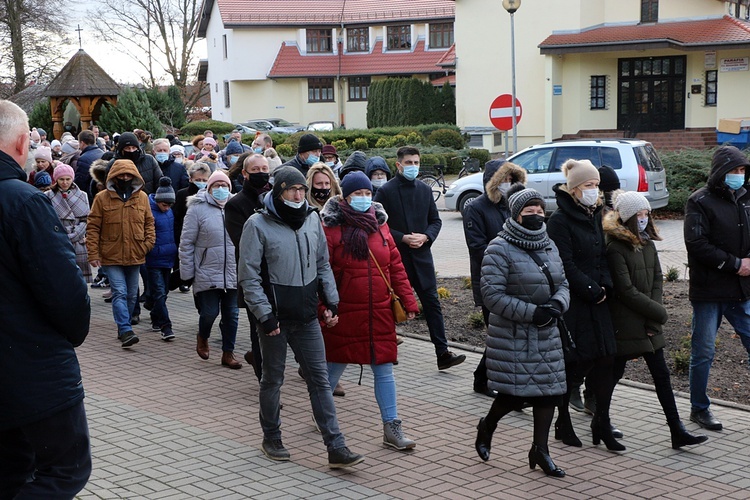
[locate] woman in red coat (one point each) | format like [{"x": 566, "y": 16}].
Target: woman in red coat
[{"x": 366, "y": 332}]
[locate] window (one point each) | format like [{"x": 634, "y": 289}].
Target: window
[
  {"x": 711, "y": 81},
  {"x": 224, "y": 45},
  {"x": 320, "y": 89},
  {"x": 441, "y": 35},
  {"x": 319, "y": 40},
  {"x": 399, "y": 37},
  {"x": 226, "y": 94},
  {"x": 598, "y": 92},
  {"x": 358, "y": 87},
  {"x": 649, "y": 11},
  {"x": 357, "y": 39}
]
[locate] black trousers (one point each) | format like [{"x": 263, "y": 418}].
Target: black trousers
[
  {"x": 662, "y": 381},
  {"x": 433, "y": 313},
  {"x": 50, "y": 458}
]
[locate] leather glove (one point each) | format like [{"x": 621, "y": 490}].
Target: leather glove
[
  {"x": 542, "y": 316},
  {"x": 555, "y": 308}
]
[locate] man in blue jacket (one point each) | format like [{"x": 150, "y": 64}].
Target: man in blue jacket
[{"x": 44, "y": 303}]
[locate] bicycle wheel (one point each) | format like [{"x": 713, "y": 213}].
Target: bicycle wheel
[{"x": 434, "y": 184}]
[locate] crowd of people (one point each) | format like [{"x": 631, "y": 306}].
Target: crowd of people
[{"x": 315, "y": 249}]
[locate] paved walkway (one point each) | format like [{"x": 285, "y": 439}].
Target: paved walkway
[{"x": 167, "y": 425}]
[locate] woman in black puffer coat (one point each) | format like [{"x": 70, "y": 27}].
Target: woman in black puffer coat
[{"x": 576, "y": 229}]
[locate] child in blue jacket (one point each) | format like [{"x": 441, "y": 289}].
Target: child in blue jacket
[{"x": 161, "y": 259}]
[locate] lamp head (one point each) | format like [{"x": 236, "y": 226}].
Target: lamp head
[{"x": 511, "y": 5}]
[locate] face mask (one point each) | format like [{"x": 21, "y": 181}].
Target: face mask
[
  {"x": 330, "y": 164},
  {"x": 411, "y": 172},
  {"x": 123, "y": 185},
  {"x": 312, "y": 159},
  {"x": 258, "y": 179},
  {"x": 294, "y": 204},
  {"x": 589, "y": 196},
  {"x": 377, "y": 183},
  {"x": 258, "y": 150},
  {"x": 201, "y": 185},
  {"x": 233, "y": 160},
  {"x": 132, "y": 155},
  {"x": 734, "y": 181},
  {"x": 34, "y": 145},
  {"x": 503, "y": 187},
  {"x": 642, "y": 223},
  {"x": 532, "y": 222},
  {"x": 220, "y": 193},
  {"x": 321, "y": 195},
  {"x": 361, "y": 203},
  {"x": 162, "y": 157}
]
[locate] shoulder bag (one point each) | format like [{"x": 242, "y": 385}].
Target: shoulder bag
[{"x": 399, "y": 312}]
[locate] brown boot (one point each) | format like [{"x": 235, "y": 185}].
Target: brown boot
[
  {"x": 227, "y": 359},
  {"x": 339, "y": 390},
  {"x": 202, "y": 348}
]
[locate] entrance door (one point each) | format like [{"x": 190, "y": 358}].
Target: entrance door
[{"x": 652, "y": 94}]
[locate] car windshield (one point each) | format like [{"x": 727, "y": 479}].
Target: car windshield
[{"x": 281, "y": 123}]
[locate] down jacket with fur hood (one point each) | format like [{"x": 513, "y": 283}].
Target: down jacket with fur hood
[{"x": 206, "y": 250}]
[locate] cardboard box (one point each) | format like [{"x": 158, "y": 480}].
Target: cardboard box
[{"x": 733, "y": 125}]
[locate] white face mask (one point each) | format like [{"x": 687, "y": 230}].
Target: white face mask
[
  {"x": 294, "y": 204},
  {"x": 503, "y": 187},
  {"x": 589, "y": 196},
  {"x": 642, "y": 223}
]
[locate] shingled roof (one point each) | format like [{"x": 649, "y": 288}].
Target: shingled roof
[{"x": 82, "y": 77}]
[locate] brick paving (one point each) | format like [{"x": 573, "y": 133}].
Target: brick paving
[{"x": 168, "y": 425}]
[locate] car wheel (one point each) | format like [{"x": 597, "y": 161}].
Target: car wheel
[{"x": 465, "y": 199}]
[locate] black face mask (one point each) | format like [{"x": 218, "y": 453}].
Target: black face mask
[
  {"x": 123, "y": 185},
  {"x": 258, "y": 179},
  {"x": 321, "y": 195},
  {"x": 532, "y": 222},
  {"x": 132, "y": 155}
]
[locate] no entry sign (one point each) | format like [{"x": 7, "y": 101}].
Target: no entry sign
[{"x": 501, "y": 112}]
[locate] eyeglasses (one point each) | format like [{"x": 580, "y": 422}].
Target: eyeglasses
[{"x": 302, "y": 189}]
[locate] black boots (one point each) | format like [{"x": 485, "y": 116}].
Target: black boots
[
  {"x": 564, "y": 431},
  {"x": 540, "y": 456},
  {"x": 601, "y": 430},
  {"x": 681, "y": 437},
  {"x": 484, "y": 439}
]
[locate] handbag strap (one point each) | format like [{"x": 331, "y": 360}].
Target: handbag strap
[
  {"x": 387, "y": 283},
  {"x": 544, "y": 268}
]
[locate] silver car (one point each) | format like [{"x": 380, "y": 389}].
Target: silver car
[{"x": 636, "y": 163}]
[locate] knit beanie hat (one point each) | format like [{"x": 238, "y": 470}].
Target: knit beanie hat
[
  {"x": 55, "y": 143},
  {"x": 609, "y": 180},
  {"x": 309, "y": 142},
  {"x": 41, "y": 132},
  {"x": 217, "y": 176},
  {"x": 177, "y": 149},
  {"x": 579, "y": 171},
  {"x": 629, "y": 203},
  {"x": 42, "y": 179},
  {"x": 233, "y": 148},
  {"x": 61, "y": 170},
  {"x": 354, "y": 181},
  {"x": 208, "y": 141},
  {"x": 329, "y": 149},
  {"x": 164, "y": 193},
  {"x": 520, "y": 199},
  {"x": 377, "y": 163},
  {"x": 35, "y": 136},
  {"x": 43, "y": 153},
  {"x": 70, "y": 146},
  {"x": 286, "y": 177}
]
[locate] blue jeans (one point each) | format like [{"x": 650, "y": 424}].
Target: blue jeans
[
  {"x": 123, "y": 282},
  {"x": 306, "y": 340},
  {"x": 209, "y": 304},
  {"x": 49, "y": 458},
  {"x": 158, "y": 284},
  {"x": 385, "y": 387},
  {"x": 706, "y": 320}
]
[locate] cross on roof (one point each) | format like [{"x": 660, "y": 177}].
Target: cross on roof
[{"x": 80, "y": 45}]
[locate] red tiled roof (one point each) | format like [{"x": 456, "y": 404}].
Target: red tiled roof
[
  {"x": 449, "y": 59},
  {"x": 724, "y": 31},
  {"x": 439, "y": 82},
  {"x": 331, "y": 12},
  {"x": 290, "y": 63}
]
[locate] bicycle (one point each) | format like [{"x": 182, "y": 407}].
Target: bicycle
[
  {"x": 470, "y": 166},
  {"x": 436, "y": 182}
]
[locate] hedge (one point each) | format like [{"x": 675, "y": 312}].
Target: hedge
[{"x": 196, "y": 128}]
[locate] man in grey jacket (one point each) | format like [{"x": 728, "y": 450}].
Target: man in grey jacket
[{"x": 284, "y": 273}]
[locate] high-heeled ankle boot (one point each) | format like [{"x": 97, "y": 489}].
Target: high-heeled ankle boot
[
  {"x": 564, "y": 431},
  {"x": 601, "y": 430},
  {"x": 484, "y": 439},
  {"x": 540, "y": 456},
  {"x": 681, "y": 437}
]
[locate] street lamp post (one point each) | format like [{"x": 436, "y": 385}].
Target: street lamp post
[{"x": 512, "y": 6}]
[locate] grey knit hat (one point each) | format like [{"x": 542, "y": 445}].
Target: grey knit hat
[
  {"x": 522, "y": 198},
  {"x": 629, "y": 203},
  {"x": 164, "y": 193},
  {"x": 286, "y": 177}
]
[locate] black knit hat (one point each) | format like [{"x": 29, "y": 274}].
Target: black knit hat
[
  {"x": 608, "y": 180},
  {"x": 127, "y": 139},
  {"x": 517, "y": 201},
  {"x": 309, "y": 142},
  {"x": 286, "y": 177},
  {"x": 165, "y": 193}
]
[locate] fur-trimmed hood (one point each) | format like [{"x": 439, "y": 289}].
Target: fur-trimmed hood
[
  {"x": 98, "y": 171},
  {"x": 615, "y": 229},
  {"x": 332, "y": 216},
  {"x": 517, "y": 175}
]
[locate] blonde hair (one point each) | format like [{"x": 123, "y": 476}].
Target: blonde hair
[{"x": 321, "y": 168}]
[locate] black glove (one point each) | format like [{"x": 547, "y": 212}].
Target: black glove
[
  {"x": 555, "y": 308},
  {"x": 188, "y": 282},
  {"x": 542, "y": 316},
  {"x": 270, "y": 324}
]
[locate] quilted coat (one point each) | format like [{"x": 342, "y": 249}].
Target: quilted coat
[
  {"x": 366, "y": 332},
  {"x": 164, "y": 253},
  {"x": 522, "y": 359}
]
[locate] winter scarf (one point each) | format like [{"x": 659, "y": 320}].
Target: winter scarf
[{"x": 515, "y": 234}]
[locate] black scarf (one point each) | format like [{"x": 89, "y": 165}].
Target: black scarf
[
  {"x": 515, "y": 234},
  {"x": 356, "y": 228},
  {"x": 294, "y": 217}
]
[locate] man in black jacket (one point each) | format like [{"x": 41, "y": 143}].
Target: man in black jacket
[
  {"x": 415, "y": 223},
  {"x": 717, "y": 238},
  {"x": 90, "y": 152},
  {"x": 44, "y": 303},
  {"x": 308, "y": 153}
]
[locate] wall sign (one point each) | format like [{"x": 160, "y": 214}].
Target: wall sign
[
  {"x": 735, "y": 64},
  {"x": 709, "y": 59}
]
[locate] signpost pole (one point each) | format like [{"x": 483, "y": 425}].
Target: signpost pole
[
  {"x": 506, "y": 144},
  {"x": 513, "y": 77}
]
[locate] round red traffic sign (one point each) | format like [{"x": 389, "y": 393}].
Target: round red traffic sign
[{"x": 501, "y": 112}]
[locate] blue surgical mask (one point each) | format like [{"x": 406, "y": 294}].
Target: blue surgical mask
[
  {"x": 233, "y": 160},
  {"x": 161, "y": 157},
  {"x": 294, "y": 204},
  {"x": 220, "y": 193},
  {"x": 312, "y": 159},
  {"x": 378, "y": 183},
  {"x": 330, "y": 164},
  {"x": 201, "y": 185},
  {"x": 411, "y": 172},
  {"x": 258, "y": 150},
  {"x": 734, "y": 181},
  {"x": 361, "y": 203}
]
